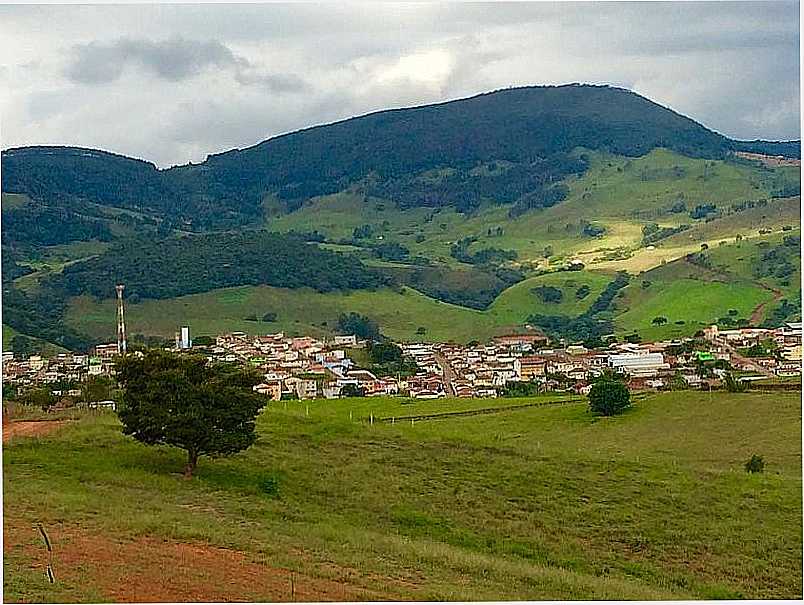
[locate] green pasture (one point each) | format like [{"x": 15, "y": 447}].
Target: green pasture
[{"x": 540, "y": 502}]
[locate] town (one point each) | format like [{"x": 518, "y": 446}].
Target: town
[{"x": 510, "y": 365}]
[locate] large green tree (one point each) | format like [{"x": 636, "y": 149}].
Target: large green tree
[
  {"x": 182, "y": 400},
  {"x": 609, "y": 396}
]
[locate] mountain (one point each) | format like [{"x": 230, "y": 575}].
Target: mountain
[
  {"x": 520, "y": 137},
  {"x": 477, "y": 203}
]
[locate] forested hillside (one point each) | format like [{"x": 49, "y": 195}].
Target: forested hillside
[{"x": 178, "y": 266}]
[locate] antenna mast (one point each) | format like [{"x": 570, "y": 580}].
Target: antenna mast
[{"x": 121, "y": 322}]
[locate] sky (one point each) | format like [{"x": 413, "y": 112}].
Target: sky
[{"x": 174, "y": 83}]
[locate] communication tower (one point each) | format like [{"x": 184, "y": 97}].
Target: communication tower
[{"x": 121, "y": 321}]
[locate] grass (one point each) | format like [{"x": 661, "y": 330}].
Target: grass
[
  {"x": 698, "y": 303},
  {"x": 747, "y": 224},
  {"x": 400, "y": 313},
  {"x": 538, "y": 503},
  {"x": 517, "y": 302},
  {"x": 697, "y": 296},
  {"x": 678, "y": 291},
  {"x": 620, "y": 193}
]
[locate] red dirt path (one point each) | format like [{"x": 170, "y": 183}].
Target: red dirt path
[
  {"x": 160, "y": 571},
  {"x": 25, "y": 428}
]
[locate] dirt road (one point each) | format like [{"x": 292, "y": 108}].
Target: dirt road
[{"x": 25, "y": 428}]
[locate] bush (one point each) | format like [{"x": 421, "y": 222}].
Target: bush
[
  {"x": 733, "y": 385},
  {"x": 269, "y": 486},
  {"x": 609, "y": 397},
  {"x": 548, "y": 294},
  {"x": 755, "y": 464}
]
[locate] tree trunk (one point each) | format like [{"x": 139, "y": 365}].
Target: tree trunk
[{"x": 192, "y": 462}]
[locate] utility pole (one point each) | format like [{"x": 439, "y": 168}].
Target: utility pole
[{"x": 121, "y": 321}]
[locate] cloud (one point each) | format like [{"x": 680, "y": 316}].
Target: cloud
[
  {"x": 174, "y": 59},
  {"x": 278, "y": 83},
  {"x": 140, "y": 79}
]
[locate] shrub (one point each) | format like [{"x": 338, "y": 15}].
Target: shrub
[
  {"x": 269, "y": 486},
  {"x": 755, "y": 464},
  {"x": 548, "y": 294},
  {"x": 733, "y": 385}
]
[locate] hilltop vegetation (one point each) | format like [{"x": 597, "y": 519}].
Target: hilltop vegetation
[
  {"x": 177, "y": 266},
  {"x": 531, "y": 503}
]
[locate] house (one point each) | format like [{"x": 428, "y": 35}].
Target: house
[
  {"x": 522, "y": 342},
  {"x": 306, "y": 388},
  {"x": 273, "y": 389},
  {"x": 788, "y": 368},
  {"x": 105, "y": 351},
  {"x": 531, "y": 367}
]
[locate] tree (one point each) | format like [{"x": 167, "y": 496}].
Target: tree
[
  {"x": 181, "y": 400},
  {"x": 359, "y": 325},
  {"x": 548, "y": 294},
  {"x": 609, "y": 396},
  {"x": 42, "y": 398},
  {"x": 658, "y": 321},
  {"x": 384, "y": 352},
  {"x": 97, "y": 388}
]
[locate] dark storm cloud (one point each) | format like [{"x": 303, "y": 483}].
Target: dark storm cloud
[{"x": 174, "y": 59}]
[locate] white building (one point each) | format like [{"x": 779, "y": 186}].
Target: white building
[{"x": 639, "y": 364}]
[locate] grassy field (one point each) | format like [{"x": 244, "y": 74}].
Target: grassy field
[
  {"x": 698, "y": 303},
  {"x": 542, "y": 502},
  {"x": 677, "y": 291},
  {"x": 400, "y": 313},
  {"x": 517, "y": 302},
  {"x": 622, "y": 194}
]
